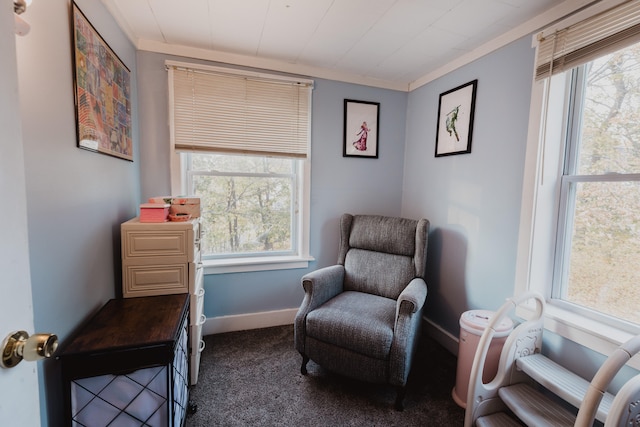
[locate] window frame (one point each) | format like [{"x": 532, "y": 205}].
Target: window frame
[
  {"x": 569, "y": 181},
  {"x": 292, "y": 177},
  {"x": 178, "y": 165},
  {"x": 264, "y": 262},
  {"x": 540, "y": 229}
]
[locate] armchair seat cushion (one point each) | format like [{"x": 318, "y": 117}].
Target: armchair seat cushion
[{"x": 357, "y": 321}]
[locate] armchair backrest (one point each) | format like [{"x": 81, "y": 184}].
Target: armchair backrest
[{"x": 381, "y": 254}]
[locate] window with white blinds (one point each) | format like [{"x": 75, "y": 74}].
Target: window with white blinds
[
  {"x": 561, "y": 49},
  {"x": 215, "y": 110},
  {"x": 582, "y": 177}
]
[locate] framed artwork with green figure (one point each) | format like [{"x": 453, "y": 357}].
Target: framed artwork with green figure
[{"x": 455, "y": 120}]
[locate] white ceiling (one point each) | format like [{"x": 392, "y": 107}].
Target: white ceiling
[{"x": 392, "y": 43}]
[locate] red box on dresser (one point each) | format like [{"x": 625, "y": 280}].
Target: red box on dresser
[{"x": 154, "y": 212}]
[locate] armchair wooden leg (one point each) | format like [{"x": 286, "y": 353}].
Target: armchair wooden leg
[
  {"x": 400, "y": 393},
  {"x": 305, "y": 360}
]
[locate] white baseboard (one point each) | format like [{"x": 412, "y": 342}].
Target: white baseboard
[
  {"x": 443, "y": 337},
  {"x": 242, "y": 322},
  {"x": 266, "y": 319}
]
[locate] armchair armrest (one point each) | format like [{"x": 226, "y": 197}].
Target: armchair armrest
[
  {"x": 319, "y": 287},
  {"x": 406, "y": 330},
  {"x": 412, "y": 297}
]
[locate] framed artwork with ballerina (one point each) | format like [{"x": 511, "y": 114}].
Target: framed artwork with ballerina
[
  {"x": 361, "y": 124},
  {"x": 455, "y": 120}
]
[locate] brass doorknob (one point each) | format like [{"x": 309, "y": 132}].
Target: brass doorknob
[{"x": 19, "y": 345}]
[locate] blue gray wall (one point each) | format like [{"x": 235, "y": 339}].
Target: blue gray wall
[
  {"x": 473, "y": 200},
  {"x": 338, "y": 184},
  {"x": 76, "y": 199}
]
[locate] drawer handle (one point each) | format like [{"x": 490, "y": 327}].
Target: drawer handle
[
  {"x": 203, "y": 319},
  {"x": 201, "y": 346},
  {"x": 200, "y": 292}
]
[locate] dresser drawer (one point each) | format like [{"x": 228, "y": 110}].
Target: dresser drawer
[
  {"x": 179, "y": 240},
  {"x": 196, "y": 354},
  {"x": 197, "y": 307},
  {"x": 143, "y": 244},
  {"x": 145, "y": 280},
  {"x": 197, "y": 347},
  {"x": 196, "y": 343},
  {"x": 196, "y": 277}
]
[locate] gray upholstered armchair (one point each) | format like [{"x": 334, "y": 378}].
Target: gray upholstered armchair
[{"x": 361, "y": 318}]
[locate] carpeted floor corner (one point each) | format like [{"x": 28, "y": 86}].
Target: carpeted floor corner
[{"x": 252, "y": 378}]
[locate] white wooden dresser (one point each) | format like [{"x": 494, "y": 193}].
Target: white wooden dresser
[{"x": 164, "y": 258}]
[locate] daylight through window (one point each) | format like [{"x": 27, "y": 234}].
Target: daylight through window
[
  {"x": 241, "y": 143},
  {"x": 599, "y": 225},
  {"x": 580, "y": 219},
  {"x": 249, "y": 203}
]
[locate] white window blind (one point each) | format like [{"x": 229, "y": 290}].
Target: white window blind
[
  {"x": 214, "y": 110},
  {"x": 565, "y": 48}
]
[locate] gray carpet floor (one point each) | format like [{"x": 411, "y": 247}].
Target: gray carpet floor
[{"x": 252, "y": 378}]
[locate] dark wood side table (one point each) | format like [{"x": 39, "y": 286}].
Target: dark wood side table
[{"x": 128, "y": 364}]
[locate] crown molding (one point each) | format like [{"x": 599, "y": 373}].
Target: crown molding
[
  {"x": 561, "y": 11},
  {"x": 267, "y": 64},
  {"x": 552, "y": 15}
]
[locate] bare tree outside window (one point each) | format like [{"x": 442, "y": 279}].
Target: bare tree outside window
[
  {"x": 246, "y": 203},
  {"x": 604, "y": 186}
]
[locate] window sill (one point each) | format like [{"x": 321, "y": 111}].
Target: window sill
[
  {"x": 240, "y": 265},
  {"x": 594, "y": 335}
]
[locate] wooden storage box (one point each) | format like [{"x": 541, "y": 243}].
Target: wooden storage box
[
  {"x": 180, "y": 205},
  {"x": 185, "y": 205}
]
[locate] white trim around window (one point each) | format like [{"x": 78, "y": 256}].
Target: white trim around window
[
  {"x": 537, "y": 233},
  {"x": 268, "y": 263},
  {"x": 301, "y": 258}
]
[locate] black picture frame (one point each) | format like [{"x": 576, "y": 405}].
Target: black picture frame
[
  {"x": 361, "y": 129},
  {"x": 102, "y": 92},
  {"x": 456, "y": 108}
]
